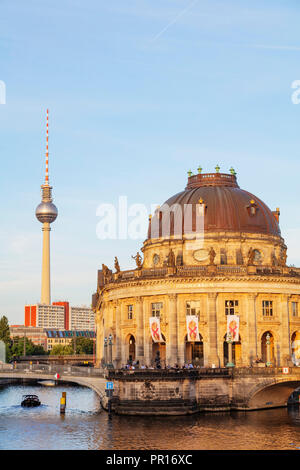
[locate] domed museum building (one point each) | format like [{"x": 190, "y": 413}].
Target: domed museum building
[{"x": 212, "y": 272}]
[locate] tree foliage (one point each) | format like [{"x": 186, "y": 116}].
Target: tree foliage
[
  {"x": 4, "y": 330},
  {"x": 61, "y": 350},
  {"x": 31, "y": 349},
  {"x": 83, "y": 345}
]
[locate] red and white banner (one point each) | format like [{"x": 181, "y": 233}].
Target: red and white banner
[
  {"x": 155, "y": 330},
  {"x": 192, "y": 328},
  {"x": 233, "y": 322}
]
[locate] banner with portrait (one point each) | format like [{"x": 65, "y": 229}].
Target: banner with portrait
[
  {"x": 155, "y": 330},
  {"x": 233, "y": 323},
  {"x": 192, "y": 328}
]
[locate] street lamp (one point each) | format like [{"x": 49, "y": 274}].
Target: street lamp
[
  {"x": 110, "y": 338},
  {"x": 105, "y": 351},
  {"x": 268, "y": 342},
  {"x": 229, "y": 342}
]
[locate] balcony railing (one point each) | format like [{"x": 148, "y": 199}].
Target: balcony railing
[{"x": 202, "y": 270}]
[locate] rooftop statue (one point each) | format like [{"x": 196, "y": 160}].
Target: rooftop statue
[
  {"x": 251, "y": 256},
  {"x": 212, "y": 255},
  {"x": 171, "y": 258},
  {"x": 138, "y": 260},
  {"x": 283, "y": 258},
  {"x": 117, "y": 266}
]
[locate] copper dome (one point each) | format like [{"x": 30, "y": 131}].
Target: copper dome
[{"x": 226, "y": 207}]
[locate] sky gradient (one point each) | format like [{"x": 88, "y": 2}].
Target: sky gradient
[{"x": 138, "y": 92}]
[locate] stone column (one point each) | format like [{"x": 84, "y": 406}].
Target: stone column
[
  {"x": 252, "y": 328},
  {"x": 213, "y": 357},
  {"x": 139, "y": 343},
  {"x": 147, "y": 335},
  {"x": 104, "y": 326},
  {"x": 172, "y": 345},
  {"x": 284, "y": 354},
  {"x": 99, "y": 339},
  {"x": 117, "y": 315}
]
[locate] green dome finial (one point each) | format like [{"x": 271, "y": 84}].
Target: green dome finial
[
  {"x": 217, "y": 168},
  {"x": 199, "y": 169},
  {"x": 190, "y": 173}
]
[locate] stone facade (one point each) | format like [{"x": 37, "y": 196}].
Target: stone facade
[{"x": 226, "y": 269}]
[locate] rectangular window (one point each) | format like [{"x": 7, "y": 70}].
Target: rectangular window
[
  {"x": 231, "y": 307},
  {"x": 193, "y": 307},
  {"x": 267, "y": 308},
  {"x": 130, "y": 312},
  {"x": 295, "y": 309},
  {"x": 156, "y": 309},
  {"x": 223, "y": 256}
]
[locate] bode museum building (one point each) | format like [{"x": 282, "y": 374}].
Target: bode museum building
[{"x": 212, "y": 279}]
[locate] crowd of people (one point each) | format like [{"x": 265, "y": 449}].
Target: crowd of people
[{"x": 132, "y": 365}]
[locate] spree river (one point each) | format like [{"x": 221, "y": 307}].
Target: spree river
[{"x": 85, "y": 426}]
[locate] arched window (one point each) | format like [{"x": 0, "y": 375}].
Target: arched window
[{"x": 194, "y": 352}]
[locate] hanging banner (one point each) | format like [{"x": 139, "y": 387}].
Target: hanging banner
[
  {"x": 233, "y": 322},
  {"x": 155, "y": 330},
  {"x": 192, "y": 328}
]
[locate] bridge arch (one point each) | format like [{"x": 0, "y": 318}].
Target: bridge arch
[
  {"x": 273, "y": 394},
  {"x": 96, "y": 384}
]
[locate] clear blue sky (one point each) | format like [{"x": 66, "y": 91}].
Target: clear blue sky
[{"x": 138, "y": 92}]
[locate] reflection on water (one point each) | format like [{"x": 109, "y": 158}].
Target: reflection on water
[{"x": 86, "y": 426}]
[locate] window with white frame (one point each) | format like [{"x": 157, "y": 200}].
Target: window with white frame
[
  {"x": 295, "y": 309},
  {"x": 231, "y": 307},
  {"x": 130, "y": 312},
  {"x": 193, "y": 307},
  {"x": 156, "y": 309},
  {"x": 267, "y": 308}
]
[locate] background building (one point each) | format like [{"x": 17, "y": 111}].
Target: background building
[
  {"x": 35, "y": 334},
  {"x": 64, "y": 338},
  {"x": 214, "y": 252},
  {"x": 45, "y": 316},
  {"x": 66, "y": 312},
  {"x": 82, "y": 318},
  {"x": 60, "y": 316}
]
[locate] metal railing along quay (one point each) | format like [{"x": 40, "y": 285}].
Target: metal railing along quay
[
  {"x": 52, "y": 369},
  {"x": 148, "y": 374}
]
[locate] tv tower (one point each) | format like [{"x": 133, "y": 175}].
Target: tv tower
[{"x": 46, "y": 212}]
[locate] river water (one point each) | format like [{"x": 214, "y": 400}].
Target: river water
[{"x": 85, "y": 426}]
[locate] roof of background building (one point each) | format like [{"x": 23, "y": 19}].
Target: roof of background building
[{"x": 70, "y": 333}]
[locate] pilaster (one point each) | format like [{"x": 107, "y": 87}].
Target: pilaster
[
  {"x": 139, "y": 329},
  {"x": 171, "y": 346},
  {"x": 213, "y": 357}
]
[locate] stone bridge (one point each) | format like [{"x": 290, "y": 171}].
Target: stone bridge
[
  {"x": 254, "y": 389},
  {"x": 86, "y": 377},
  {"x": 171, "y": 392}
]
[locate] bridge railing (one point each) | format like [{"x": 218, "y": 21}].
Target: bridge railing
[
  {"x": 51, "y": 369},
  {"x": 264, "y": 371},
  {"x": 123, "y": 374}
]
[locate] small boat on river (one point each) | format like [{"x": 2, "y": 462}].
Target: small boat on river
[
  {"x": 30, "y": 400},
  {"x": 47, "y": 383}
]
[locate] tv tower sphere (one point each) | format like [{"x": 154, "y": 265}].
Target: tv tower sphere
[{"x": 46, "y": 212}]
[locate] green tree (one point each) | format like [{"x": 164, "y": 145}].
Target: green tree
[
  {"x": 31, "y": 349},
  {"x": 5, "y": 336},
  {"x": 4, "y": 330},
  {"x": 61, "y": 350},
  {"x": 83, "y": 345}
]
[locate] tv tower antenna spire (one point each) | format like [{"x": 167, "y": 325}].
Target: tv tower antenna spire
[{"x": 47, "y": 150}]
